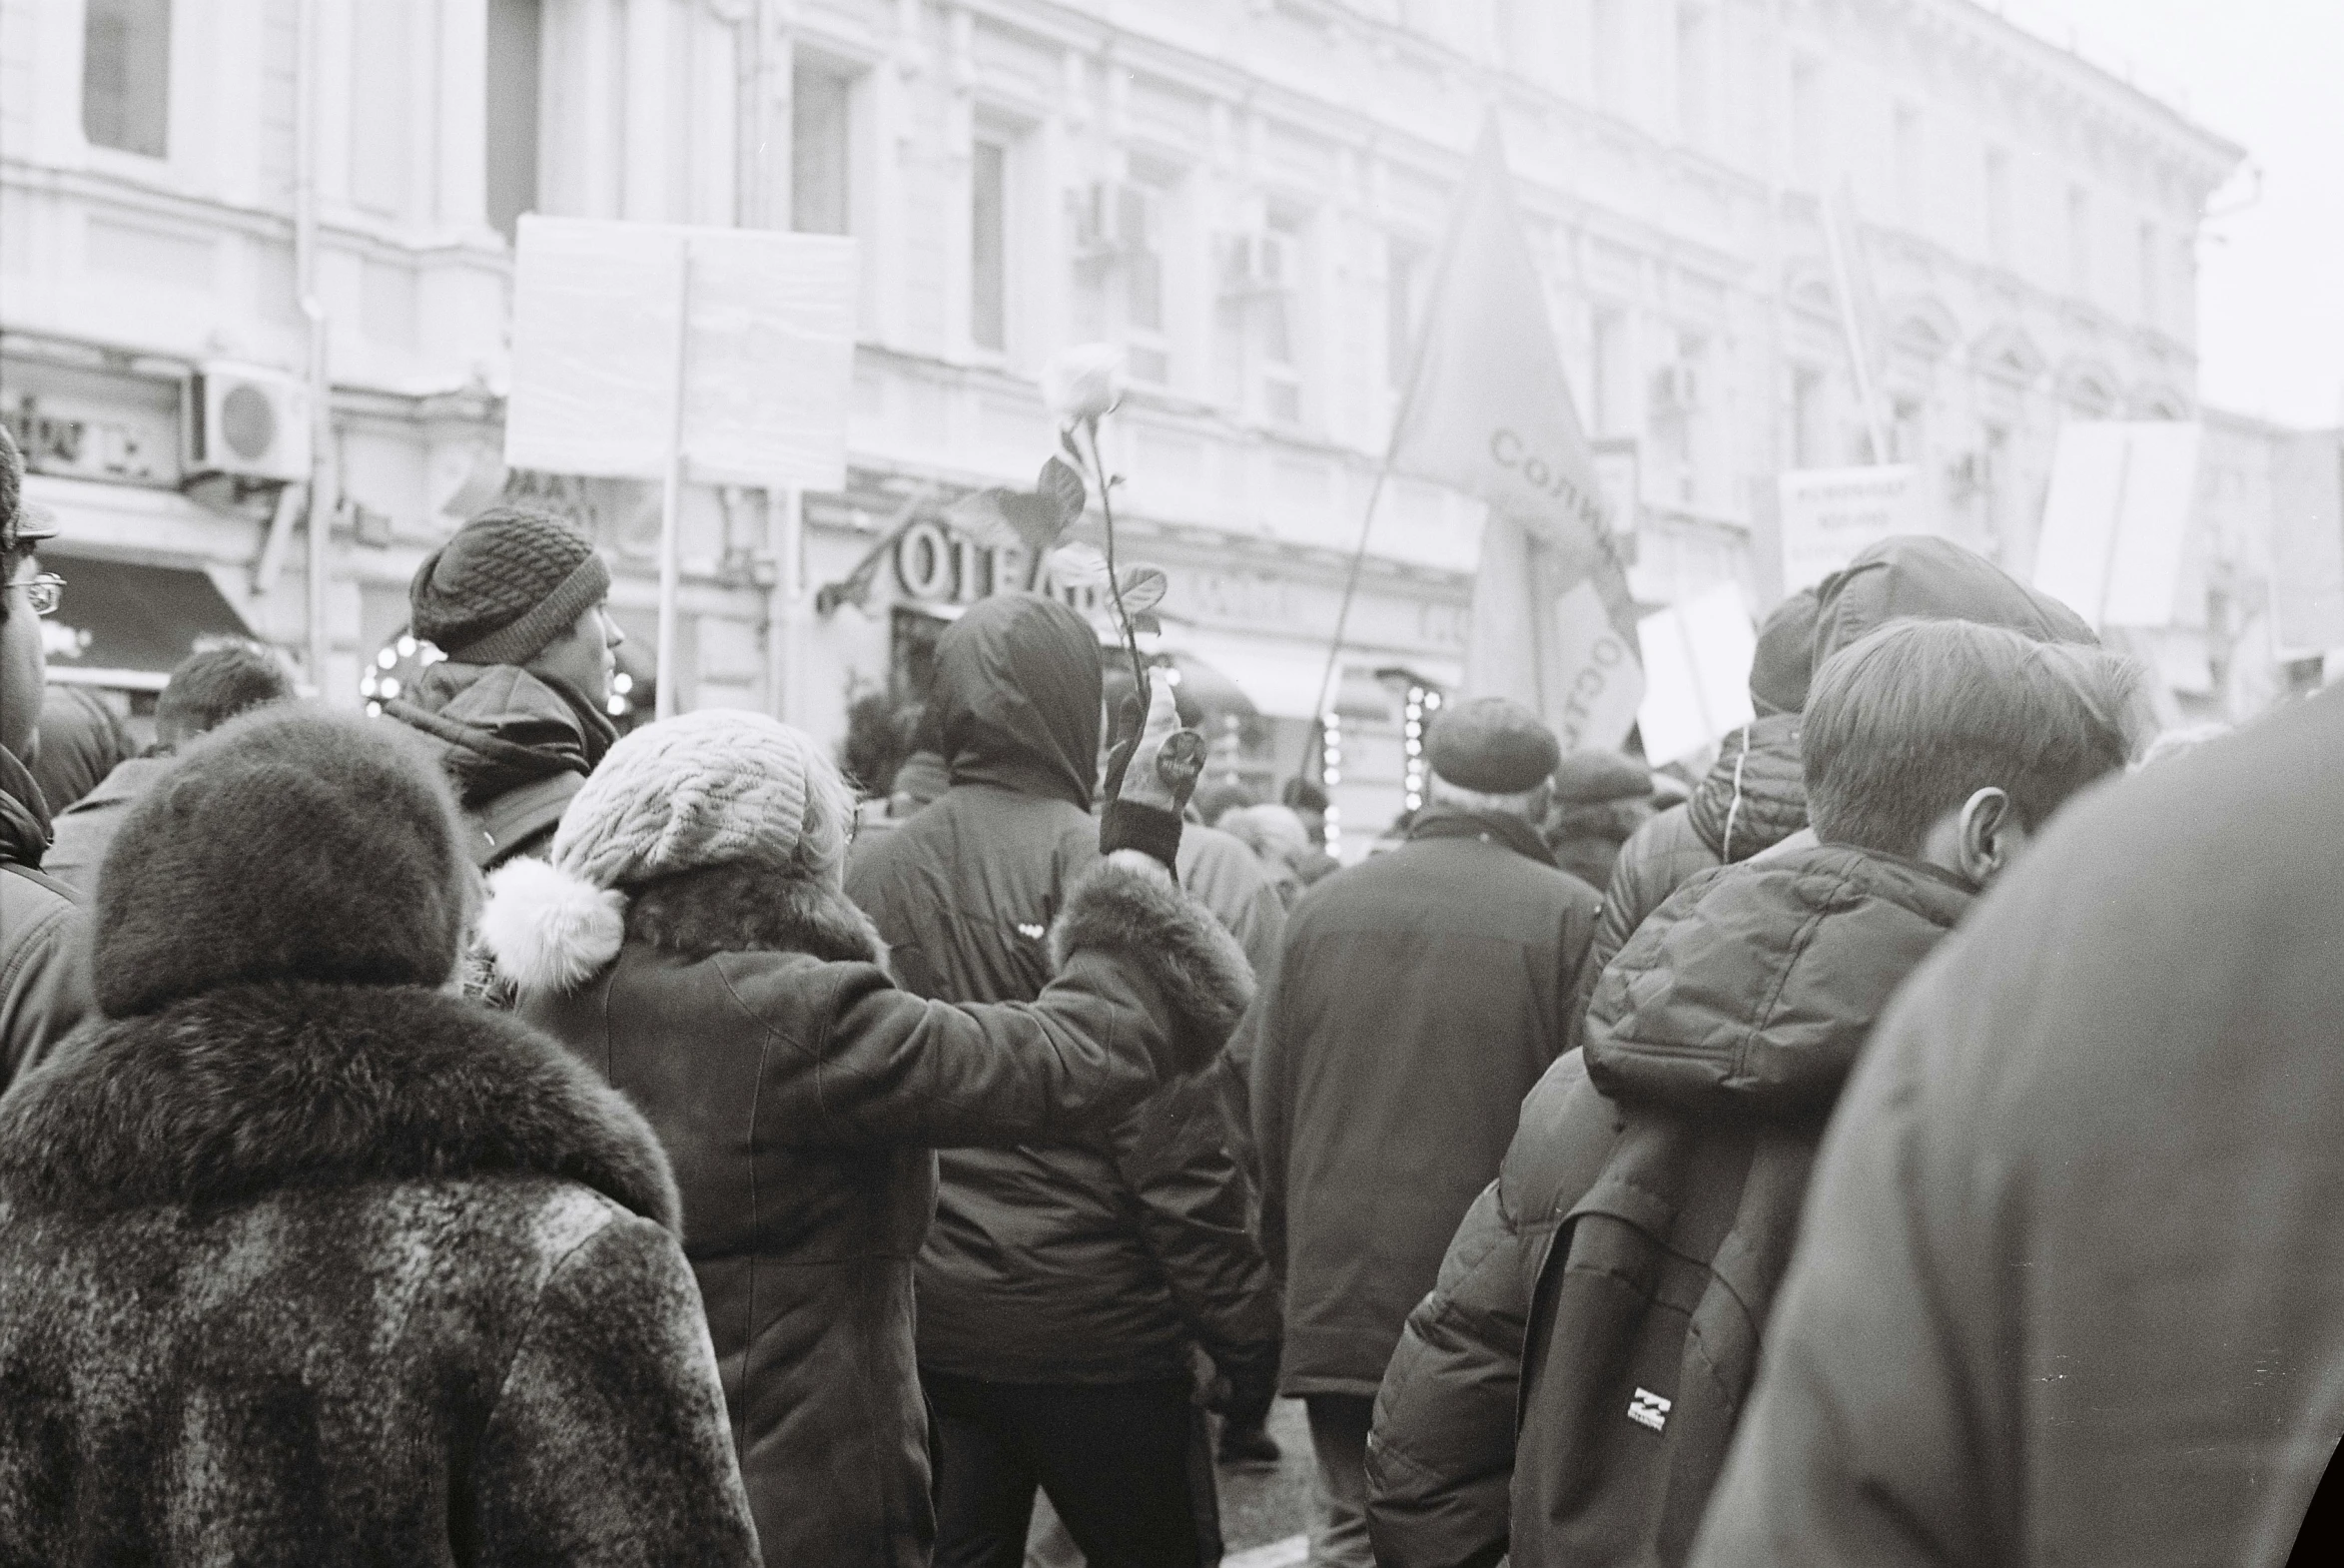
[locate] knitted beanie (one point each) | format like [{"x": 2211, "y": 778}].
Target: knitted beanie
[
  {"x": 290, "y": 844},
  {"x": 705, "y": 789},
  {"x": 505, "y": 586}
]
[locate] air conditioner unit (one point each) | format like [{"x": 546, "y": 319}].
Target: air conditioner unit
[
  {"x": 246, "y": 420},
  {"x": 1679, "y": 386},
  {"x": 1113, "y": 217},
  {"x": 1264, "y": 261}
]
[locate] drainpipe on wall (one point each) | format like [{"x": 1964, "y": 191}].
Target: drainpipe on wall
[{"x": 322, "y": 487}]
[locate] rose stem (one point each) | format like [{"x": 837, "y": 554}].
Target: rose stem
[{"x": 1115, "y": 583}]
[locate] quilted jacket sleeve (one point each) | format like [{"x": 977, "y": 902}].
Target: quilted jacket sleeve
[
  {"x": 608, "y": 1442},
  {"x": 1440, "y": 1455},
  {"x": 44, "y": 972},
  {"x": 1657, "y": 858}
]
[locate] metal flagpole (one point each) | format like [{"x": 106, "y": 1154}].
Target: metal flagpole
[
  {"x": 1335, "y": 649},
  {"x": 1838, "y": 212},
  {"x": 671, "y": 498}
]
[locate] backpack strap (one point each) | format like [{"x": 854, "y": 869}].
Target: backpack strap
[{"x": 518, "y": 815}]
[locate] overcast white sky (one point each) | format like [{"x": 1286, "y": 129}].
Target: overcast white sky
[{"x": 2268, "y": 74}]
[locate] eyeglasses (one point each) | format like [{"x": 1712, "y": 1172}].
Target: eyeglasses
[{"x": 41, "y": 593}]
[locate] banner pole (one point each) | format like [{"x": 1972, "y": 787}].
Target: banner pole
[
  {"x": 1837, "y": 210},
  {"x": 671, "y": 498},
  {"x": 1342, "y": 617}
]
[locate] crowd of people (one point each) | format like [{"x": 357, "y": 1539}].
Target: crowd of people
[{"x": 475, "y": 1135}]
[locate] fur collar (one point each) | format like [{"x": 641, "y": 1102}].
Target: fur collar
[
  {"x": 745, "y": 907},
  {"x": 548, "y": 931},
  {"x": 227, "y": 1096}
]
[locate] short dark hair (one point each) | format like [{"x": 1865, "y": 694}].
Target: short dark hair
[
  {"x": 1907, "y": 723},
  {"x": 215, "y": 683}
]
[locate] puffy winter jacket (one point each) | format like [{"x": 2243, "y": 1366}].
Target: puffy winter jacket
[
  {"x": 799, "y": 1093},
  {"x": 44, "y": 958},
  {"x": 1752, "y": 797},
  {"x": 1615, "y": 1291},
  {"x": 515, "y": 744},
  {"x": 1098, "y": 1259},
  {"x": 2070, "y": 1288}
]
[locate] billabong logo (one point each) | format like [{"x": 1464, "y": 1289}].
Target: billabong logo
[
  {"x": 1649, "y": 1410},
  {"x": 1033, "y": 933}
]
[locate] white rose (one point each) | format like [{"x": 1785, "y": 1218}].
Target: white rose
[{"x": 1083, "y": 382}]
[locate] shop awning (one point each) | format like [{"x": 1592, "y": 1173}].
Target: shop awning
[{"x": 122, "y": 623}]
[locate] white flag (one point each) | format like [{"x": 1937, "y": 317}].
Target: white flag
[{"x": 1488, "y": 411}]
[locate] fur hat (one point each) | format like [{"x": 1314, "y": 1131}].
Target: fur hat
[
  {"x": 1493, "y": 746},
  {"x": 505, "y": 586},
  {"x": 719, "y": 787},
  {"x": 288, "y": 844}
]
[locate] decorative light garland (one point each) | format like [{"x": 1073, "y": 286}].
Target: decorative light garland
[{"x": 1331, "y": 773}]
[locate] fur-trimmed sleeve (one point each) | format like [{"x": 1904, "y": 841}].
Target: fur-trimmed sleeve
[{"x": 1128, "y": 911}]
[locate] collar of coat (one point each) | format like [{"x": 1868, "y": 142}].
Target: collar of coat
[
  {"x": 24, "y": 815},
  {"x": 742, "y": 908},
  {"x": 225, "y": 1097},
  {"x": 1453, "y": 822}
]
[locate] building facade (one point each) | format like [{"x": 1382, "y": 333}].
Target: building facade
[{"x": 315, "y": 199}]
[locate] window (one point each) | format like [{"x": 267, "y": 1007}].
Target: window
[
  {"x": 2080, "y": 240},
  {"x": 1146, "y": 339},
  {"x": 1403, "y": 289},
  {"x": 1997, "y": 204},
  {"x": 1912, "y": 167},
  {"x": 820, "y": 144},
  {"x": 988, "y": 245},
  {"x": 2149, "y": 274},
  {"x": 1696, "y": 87},
  {"x": 126, "y": 74},
  {"x": 1806, "y": 132},
  {"x": 514, "y": 50},
  {"x": 1278, "y": 323},
  {"x": 1614, "y": 376},
  {"x": 1908, "y": 429}
]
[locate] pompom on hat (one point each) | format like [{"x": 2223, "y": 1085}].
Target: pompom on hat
[
  {"x": 1492, "y": 746},
  {"x": 288, "y": 844},
  {"x": 717, "y": 787}
]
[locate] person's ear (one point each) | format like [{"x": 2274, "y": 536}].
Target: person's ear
[{"x": 1991, "y": 835}]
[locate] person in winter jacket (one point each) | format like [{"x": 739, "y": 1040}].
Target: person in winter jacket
[
  {"x": 2070, "y": 1287},
  {"x": 690, "y": 939},
  {"x": 1418, "y": 995},
  {"x": 81, "y": 741},
  {"x": 516, "y": 709},
  {"x": 1601, "y": 799},
  {"x": 206, "y": 689},
  {"x": 1065, "y": 1284},
  {"x": 303, "y": 1259},
  {"x": 1612, "y": 1286},
  {"x": 44, "y": 984}
]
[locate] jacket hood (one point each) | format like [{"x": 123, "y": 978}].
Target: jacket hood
[
  {"x": 1754, "y": 794},
  {"x": 24, "y": 815},
  {"x": 549, "y": 932},
  {"x": 1016, "y": 697},
  {"x": 502, "y": 726},
  {"x": 228, "y": 1095},
  {"x": 1746, "y": 996},
  {"x": 1925, "y": 578}
]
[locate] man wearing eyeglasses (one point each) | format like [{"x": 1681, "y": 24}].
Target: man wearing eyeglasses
[{"x": 44, "y": 983}]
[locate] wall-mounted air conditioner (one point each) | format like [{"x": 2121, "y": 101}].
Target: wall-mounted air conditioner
[
  {"x": 1113, "y": 218},
  {"x": 246, "y": 420}
]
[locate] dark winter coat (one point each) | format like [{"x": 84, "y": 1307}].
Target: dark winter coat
[
  {"x": 1098, "y": 1259},
  {"x": 85, "y": 830},
  {"x": 81, "y": 741},
  {"x": 1752, "y": 797},
  {"x": 516, "y": 745},
  {"x": 1655, "y": 1184},
  {"x": 1419, "y": 995},
  {"x": 800, "y": 1094},
  {"x": 44, "y": 937},
  {"x": 295, "y": 1273},
  {"x": 2070, "y": 1288}
]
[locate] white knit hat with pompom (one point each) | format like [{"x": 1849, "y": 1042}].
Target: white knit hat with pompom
[{"x": 712, "y": 788}]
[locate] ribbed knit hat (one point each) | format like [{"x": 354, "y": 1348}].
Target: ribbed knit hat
[
  {"x": 507, "y": 584},
  {"x": 706, "y": 789},
  {"x": 288, "y": 844}
]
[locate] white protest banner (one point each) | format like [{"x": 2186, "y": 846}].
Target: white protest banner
[
  {"x": 767, "y": 366},
  {"x": 1828, "y": 514},
  {"x": 2307, "y": 544},
  {"x": 2116, "y": 521},
  {"x": 1697, "y": 657},
  {"x": 1488, "y": 411}
]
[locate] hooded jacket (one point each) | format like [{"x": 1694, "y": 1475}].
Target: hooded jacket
[
  {"x": 2070, "y": 1284},
  {"x": 44, "y": 977},
  {"x": 1096, "y": 1260},
  {"x": 1750, "y": 799},
  {"x": 801, "y": 1093},
  {"x": 1418, "y": 997},
  {"x": 514, "y": 744},
  {"x": 1612, "y": 1288},
  {"x": 446, "y": 1324}
]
